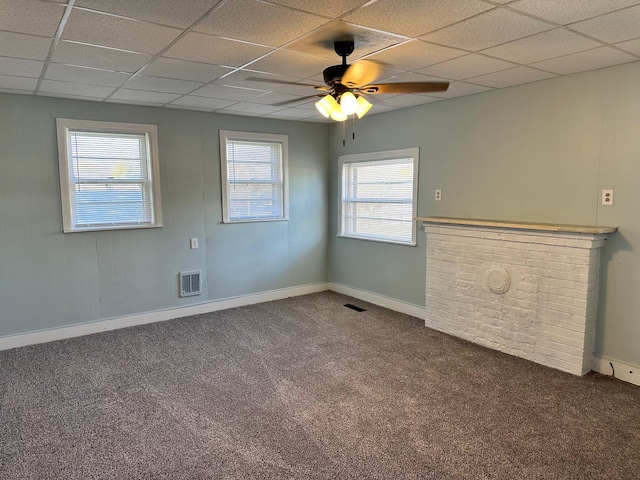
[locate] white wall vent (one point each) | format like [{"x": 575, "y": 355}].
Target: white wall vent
[{"x": 190, "y": 283}]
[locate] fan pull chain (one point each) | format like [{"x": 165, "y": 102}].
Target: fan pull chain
[
  {"x": 353, "y": 127},
  {"x": 344, "y": 142}
]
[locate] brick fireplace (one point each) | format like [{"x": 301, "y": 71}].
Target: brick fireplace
[{"x": 529, "y": 290}]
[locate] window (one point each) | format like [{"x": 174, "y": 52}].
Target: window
[
  {"x": 109, "y": 175},
  {"x": 378, "y": 193},
  {"x": 254, "y": 176}
]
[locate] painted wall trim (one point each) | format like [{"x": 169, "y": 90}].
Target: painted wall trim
[
  {"x": 387, "y": 302},
  {"x": 43, "y": 336},
  {"x": 622, "y": 371}
]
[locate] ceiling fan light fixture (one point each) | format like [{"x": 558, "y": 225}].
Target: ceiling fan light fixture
[
  {"x": 326, "y": 105},
  {"x": 363, "y": 107},
  {"x": 338, "y": 115},
  {"x": 348, "y": 103}
]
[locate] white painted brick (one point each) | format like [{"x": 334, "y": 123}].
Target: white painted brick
[{"x": 548, "y": 315}]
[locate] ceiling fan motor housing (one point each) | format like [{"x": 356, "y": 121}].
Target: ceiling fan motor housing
[{"x": 332, "y": 75}]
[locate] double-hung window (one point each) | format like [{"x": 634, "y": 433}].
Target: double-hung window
[
  {"x": 378, "y": 195},
  {"x": 254, "y": 176},
  {"x": 109, "y": 175}
]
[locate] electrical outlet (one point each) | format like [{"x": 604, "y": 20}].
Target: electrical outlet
[
  {"x": 438, "y": 195},
  {"x": 607, "y": 197},
  {"x": 194, "y": 243}
]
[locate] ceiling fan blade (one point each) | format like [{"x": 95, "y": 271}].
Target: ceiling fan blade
[
  {"x": 285, "y": 82},
  {"x": 296, "y": 100},
  {"x": 406, "y": 87},
  {"x": 361, "y": 72}
]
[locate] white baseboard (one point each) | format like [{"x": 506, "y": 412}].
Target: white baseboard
[
  {"x": 62, "y": 333},
  {"x": 622, "y": 371},
  {"x": 381, "y": 300}
]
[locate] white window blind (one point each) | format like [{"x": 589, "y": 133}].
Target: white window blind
[
  {"x": 108, "y": 176},
  {"x": 254, "y": 173},
  {"x": 378, "y": 196}
]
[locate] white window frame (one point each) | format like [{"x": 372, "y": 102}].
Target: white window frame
[
  {"x": 67, "y": 183},
  {"x": 269, "y": 138},
  {"x": 389, "y": 155}
]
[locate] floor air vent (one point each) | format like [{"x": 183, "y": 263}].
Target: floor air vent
[
  {"x": 355, "y": 307},
  {"x": 190, "y": 283}
]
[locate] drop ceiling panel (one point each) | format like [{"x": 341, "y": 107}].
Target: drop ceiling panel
[
  {"x": 19, "y": 67},
  {"x": 30, "y": 16},
  {"x": 272, "y": 98},
  {"x": 251, "y": 109},
  {"x": 227, "y": 93},
  {"x": 292, "y": 64},
  {"x": 200, "y": 47},
  {"x": 294, "y": 114},
  {"x": 202, "y": 103},
  {"x": 487, "y": 30},
  {"x": 93, "y": 76},
  {"x": 239, "y": 78},
  {"x": 320, "y": 42},
  {"x": 185, "y": 70},
  {"x": 19, "y": 45},
  {"x": 259, "y": 22},
  {"x": 143, "y": 97},
  {"x": 97, "y": 57},
  {"x": 460, "y": 89},
  {"x": 631, "y": 46},
  {"x": 513, "y": 76},
  {"x": 470, "y": 65},
  {"x": 117, "y": 32},
  {"x": 327, "y": 8},
  {"x": 158, "y": 84},
  {"x": 542, "y": 46},
  {"x": 569, "y": 11},
  {"x": 416, "y": 17},
  {"x": 416, "y": 54},
  {"x": 8, "y": 82},
  {"x": 175, "y": 13},
  {"x": 583, "y": 61},
  {"x": 75, "y": 89},
  {"x": 408, "y": 100},
  {"x": 613, "y": 27}
]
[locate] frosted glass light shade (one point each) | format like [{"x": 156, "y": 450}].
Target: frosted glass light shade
[
  {"x": 363, "y": 107},
  {"x": 326, "y": 105},
  {"x": 348, "y": 103}
]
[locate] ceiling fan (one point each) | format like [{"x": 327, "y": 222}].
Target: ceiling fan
[{"x": 348, "y": 84}]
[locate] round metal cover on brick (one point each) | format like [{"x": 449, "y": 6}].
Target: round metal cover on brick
[{"x": 498, "y": 281}]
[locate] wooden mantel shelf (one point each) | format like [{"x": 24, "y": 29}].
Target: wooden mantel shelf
[{"x": 546, "y": 227}]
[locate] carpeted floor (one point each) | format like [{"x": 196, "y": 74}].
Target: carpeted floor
[{"x": 305, "y": 388}]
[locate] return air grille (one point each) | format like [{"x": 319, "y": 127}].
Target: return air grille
[{"x": 190, "y": 283}]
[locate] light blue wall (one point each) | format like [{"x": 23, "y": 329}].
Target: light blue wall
[
  {"x": 539, "y": 152},
  {"x": 50, "y": 279}
]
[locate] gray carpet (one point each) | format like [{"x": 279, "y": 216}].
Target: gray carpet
[{"x": 305, "y": 388}]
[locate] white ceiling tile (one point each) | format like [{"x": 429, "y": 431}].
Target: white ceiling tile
[
  {"x": 613, "y": 27},
  {"x": 513, "y": 76},
  {"x": 320, "y": 42},
  {"x": 30, "y": 16},
  {"x": 468, "y": 66},
  {"x": 166, "y": 12},
  {"x": 251, "y": 108},
  {"x": 141, "y": 96},
  {"x": 569, "y": 11},
  {"x": 24, "y": 84},
  {"x": 272, "y": 98},
  {"x": 97, "y": 57},
  {"x": 542, "y": 46},
  {"x": 204, "y": 103},
  {"x": 326, "y": 8},
  {"x": 200, "y": 47},
  {"x": 411, "y": 77},
  {"x": 117, "y": 32},
  {"x": 460, "y": 89},
  {"x": 70, "y": 73},
  {"x": 631, "y": 46},
  {"x": 259, "y": 22},
  {"x": 291, "y": 64},
  {"x": 158, "y": 84},
  {"x": 20, "y": 67},
  {"x": 294, "y": 114},
  {"x": 416, "y": 54},
  {"x": 408, "y": 100},
  {"x": 239, "y": 79},
  {"x": 227, "y": 93},
  {"x": 583, "y": 61},
  {"x": 135, "y": 102},
  {"x": 71, "y": 96},
  {"x": 184, "y": 70},
  {"x": 416, "y": 17},
  {"x": 187, "y": 107},
  {"x": 69, "y": 88},
  {"x": 19, "y": 45},
  {"x": 487, "y": 29}
]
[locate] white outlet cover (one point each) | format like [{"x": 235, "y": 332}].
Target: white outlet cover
[{"x": 607, "y": 197}]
